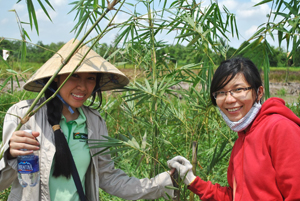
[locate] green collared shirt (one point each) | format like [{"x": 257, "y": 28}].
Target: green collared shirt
[{"x": 76, "y": 134}]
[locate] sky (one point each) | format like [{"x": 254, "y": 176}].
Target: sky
[{"x": 248, "y": 19}]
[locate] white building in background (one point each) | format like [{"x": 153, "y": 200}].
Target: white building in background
[{"x": 5, "y": 54}]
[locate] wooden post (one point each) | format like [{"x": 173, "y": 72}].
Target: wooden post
[{"x": 194, "y": 163}]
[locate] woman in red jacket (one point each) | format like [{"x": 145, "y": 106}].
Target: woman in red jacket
[{"x": 265, "y": 160}]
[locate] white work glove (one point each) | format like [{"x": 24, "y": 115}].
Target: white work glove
[{"x": 183, "y": 167}]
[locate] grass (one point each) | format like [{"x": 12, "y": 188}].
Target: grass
[
  {"x": 282, "y": 76},
  {"x": 8, "y": 99},
  {"x": 281, "y": 92},
  {"x": 30, "y": 67},
  {"x": 295, "y": 69},
  {"x": 21, "y": 67}
]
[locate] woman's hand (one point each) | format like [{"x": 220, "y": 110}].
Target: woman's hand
[
  {"x": 22, "y": 140},
  {"x": 184, "y": 168}
]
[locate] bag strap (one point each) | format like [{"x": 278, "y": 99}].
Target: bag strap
[{"x": 77, "y": 181}]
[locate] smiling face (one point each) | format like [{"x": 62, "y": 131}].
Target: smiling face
[
  {"x": 77, "y": 89},
  {"x": 237, "y": 108}
]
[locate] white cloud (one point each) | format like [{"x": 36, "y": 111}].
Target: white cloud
[
  {"x": 247, "y": 11},
  {"x": 19, "y": 7},
  {"x": 231, "y": 5},
  {"x": 41, "y": 16},
  {"x": 55, "y": 3},
  {"x": 120, "y": 18},
  {"x": 255, "y": 1},
  {"x": 4, "y": 21},
  {"x": 249, "y": 32}
]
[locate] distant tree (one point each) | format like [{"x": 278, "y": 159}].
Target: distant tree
[
  {"x": 35, "y": 53},
  {"x": 296, "y": 57},
  {"x": 281, "y": 57}
]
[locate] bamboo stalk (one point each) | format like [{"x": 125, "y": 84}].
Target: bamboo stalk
[
  {"x": 194, "y": 163},
  {"x": 176, "y": 178}
]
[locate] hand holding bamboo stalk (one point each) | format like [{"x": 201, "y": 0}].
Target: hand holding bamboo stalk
[{"x": 183, "y": 167}]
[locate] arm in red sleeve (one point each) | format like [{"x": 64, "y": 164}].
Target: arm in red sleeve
[
  {"x": 208, "y": 191},
  {"x": 284, "y": 145}
]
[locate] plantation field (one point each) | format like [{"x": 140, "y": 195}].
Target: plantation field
[{"x": 189, "y": 118}]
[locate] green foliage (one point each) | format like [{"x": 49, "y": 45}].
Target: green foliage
[
  {"x": 281, "y": 92},
  {"x": 4, "y": 194},
  {"x": 32, "y": 15},
  {"x": 295, "y": 107},
  {"x": 7, "y": 100},
  {"x": 38, "y": 53}
]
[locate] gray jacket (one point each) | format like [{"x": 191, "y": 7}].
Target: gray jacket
[{"x": 100, "y": 174}]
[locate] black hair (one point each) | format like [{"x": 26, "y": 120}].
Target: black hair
[
  {"x": 62, "y": 159},
  {"x": 229, "y": 69}
]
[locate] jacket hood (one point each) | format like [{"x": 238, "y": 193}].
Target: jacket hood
[{"x": 274, "y": 106}]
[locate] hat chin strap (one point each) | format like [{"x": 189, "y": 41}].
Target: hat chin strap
[{"x": 60, "y": 98}]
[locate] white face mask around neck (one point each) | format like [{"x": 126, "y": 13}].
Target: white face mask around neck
[{"x": 244, "y": 122}]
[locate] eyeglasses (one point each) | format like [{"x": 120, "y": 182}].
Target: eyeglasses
[{"x": 236, "y": 93}]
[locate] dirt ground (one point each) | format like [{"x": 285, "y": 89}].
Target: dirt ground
[{"x": 287, "y": 91}]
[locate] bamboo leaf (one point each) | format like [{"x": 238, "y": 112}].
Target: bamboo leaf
[
  {"x": 113, "y": 54},
  {"x": 266, "y": 73},
  {"x": 287, "y": 38},
  {"x": 104, "y": 152},
  {"x": 262, "y": 2},
  {"x": 194, "y": 40},
  {"x": 44, "y": 9},
  {"x": 293, "y": 11},
  {"x": 282, "y": 14},
  {"x": 12, "y": 71},
  {"x": 144, "y": 142},
  {"x": 5, "y": 82},
  {"x": 82, "y": 22},
  {"x": 99, "y": 152},
  {"x": 134, "y": 143},
  {"x": 271, "y": 34},
  {"x": 145, "y": 98},
  {"x": 236, "y": 28},
  {"x": 23, "y": 52},
  {"x": 279, "y": 34},
  {"x": 32, "y": 16},
  {"x": 172, "y": 188},
  {"x": 149, "y": 90},
  {"x": 139, "y": 163},
  {"x": 257, "y": 33},
  {"x": 155, "y": 87},
  {"x": 26, "y": 34},
  {"x": 123, "y": 137},
  {"x": 137, "y": 97}
]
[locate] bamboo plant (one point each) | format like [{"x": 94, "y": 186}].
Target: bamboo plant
[{"x": 155, "y": 115}]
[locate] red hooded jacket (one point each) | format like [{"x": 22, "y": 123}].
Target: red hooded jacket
[{"x": 265, "y": 160}]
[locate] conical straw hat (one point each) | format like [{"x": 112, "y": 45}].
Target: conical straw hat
[{"x": 112, "y": 77}]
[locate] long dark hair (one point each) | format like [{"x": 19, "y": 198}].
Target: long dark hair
[
  {"x": 229, "y": 69},
  {"x": 63, "y": 161}
]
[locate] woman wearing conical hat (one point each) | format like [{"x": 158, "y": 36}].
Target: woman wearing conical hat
[{"x": 60, "y": 129}]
